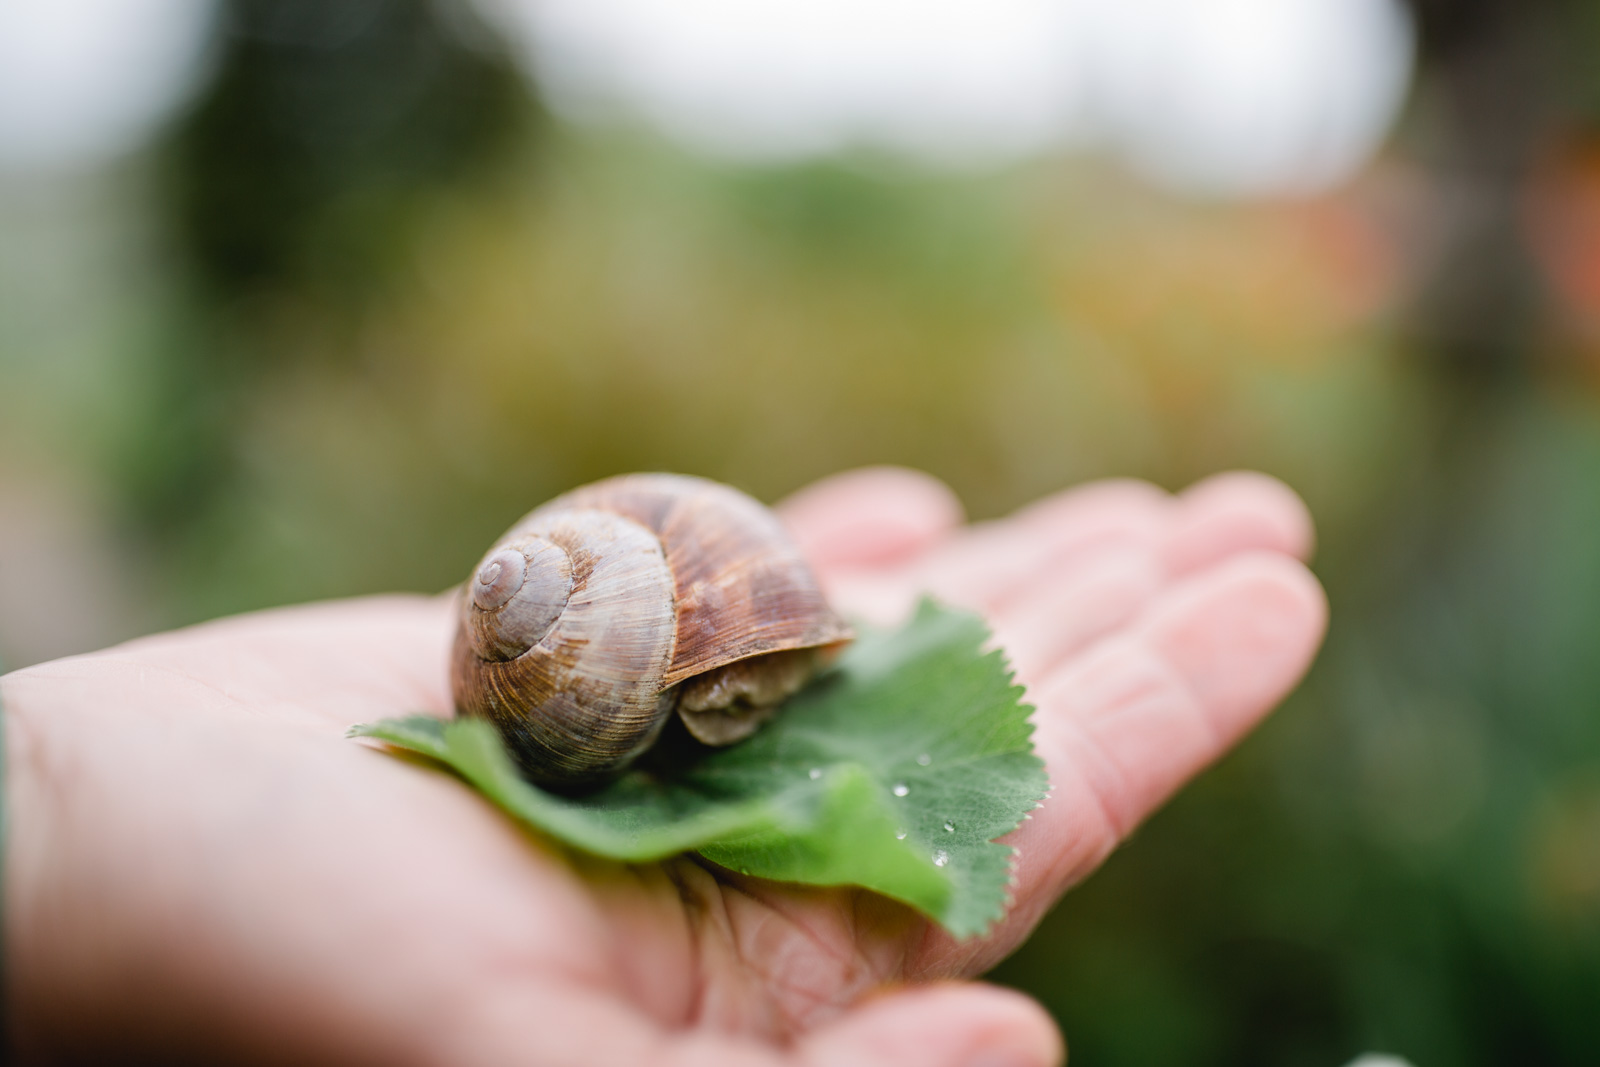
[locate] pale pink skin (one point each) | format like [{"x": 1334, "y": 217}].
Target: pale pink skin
[{"x": 201, "y": 863}]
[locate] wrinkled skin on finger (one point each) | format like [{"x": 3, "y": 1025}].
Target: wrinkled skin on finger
[{"x": 201, "y": 866}]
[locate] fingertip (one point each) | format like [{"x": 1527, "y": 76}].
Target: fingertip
[
  {"x": 944, "y": 1025},
  {"x": 869, "y": 517},
  {"x": 1239, "y": 511}
]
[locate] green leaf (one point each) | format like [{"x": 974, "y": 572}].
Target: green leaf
[{"x": 894, "y": 771}]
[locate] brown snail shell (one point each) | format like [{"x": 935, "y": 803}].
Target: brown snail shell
[{"x": 606, "y": 610}]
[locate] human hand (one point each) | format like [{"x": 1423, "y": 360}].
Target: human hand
[{"x": 201, "y": 866}]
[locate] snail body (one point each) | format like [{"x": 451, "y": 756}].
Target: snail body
[{"x": 605, "y": 611}]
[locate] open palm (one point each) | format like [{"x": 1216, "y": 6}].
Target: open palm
[{"x": 201, "y": 865}]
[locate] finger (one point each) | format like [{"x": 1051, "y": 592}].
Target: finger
[
  {"x": 945, "y": 1025},
  {"x": 871, "y": 517},
  {"x": 882, "y": 598},
  {"x": 1072, "y": 608},
  {"x": 1043, "y": 557},
  {"x": 987, "y": 565},
  {"x": 1101, "y": 588},
  {"x": 1236, "y": 512},
  {"x": 1024, "y": 561},
  {"x": 1123, "y": 725},
  {"x": 1140, "y": 716},
  {"x": 1070, "y": 508}
]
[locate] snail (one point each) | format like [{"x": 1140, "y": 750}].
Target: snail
[{"x": 609, "y": 609}]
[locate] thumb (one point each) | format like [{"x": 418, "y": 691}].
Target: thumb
[{"x": 946, "y": 1025}]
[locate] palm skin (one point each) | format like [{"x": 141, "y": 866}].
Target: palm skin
[{"x": 201, "y": 867}]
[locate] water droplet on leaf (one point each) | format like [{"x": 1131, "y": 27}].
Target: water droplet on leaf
[
  {"x": 924, "y": 759},
  {"x": 815, "y": 773},
  {"x": 940, "y": 857},
  {"x": 900, "y": 789},
  {"x": 949, "y": 827},
  {"x": 900, "y": 835}
]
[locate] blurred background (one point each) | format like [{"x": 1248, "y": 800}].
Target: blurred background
[{"x": 305, "y": 299}]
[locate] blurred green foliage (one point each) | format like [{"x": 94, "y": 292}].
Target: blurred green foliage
[
  {"x": 368, "y": 304},
  {"x": 605, "y": 303}
]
